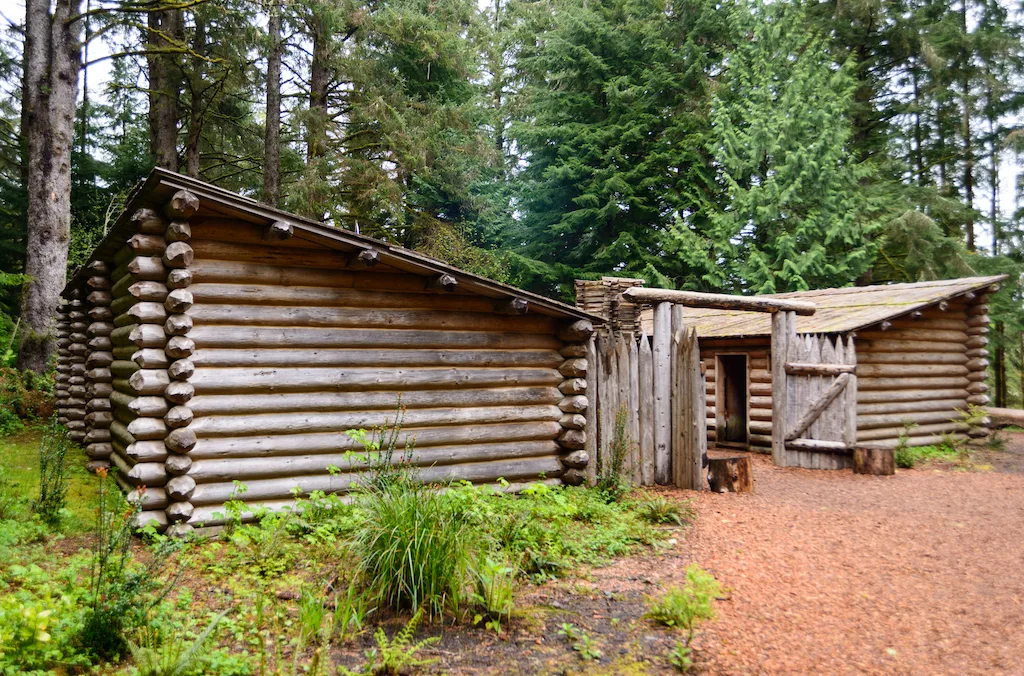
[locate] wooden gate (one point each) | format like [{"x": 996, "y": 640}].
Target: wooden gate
[
  {"x": 815, "y": 389},
  {"x": 657, "y": 382}
]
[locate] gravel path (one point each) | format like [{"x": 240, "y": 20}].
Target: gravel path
[{"x": 830, "y": 572}]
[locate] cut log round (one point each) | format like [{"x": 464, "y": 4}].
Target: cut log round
[
  {"x": 730, "y": 475},
  {"x": 573, "y": 386},
  {"x": 182, "y": 205},
  {"x": 149, "y": 221},
  {"x": 178, "y": 231},
  {"x": 278, "y": 231},
  {"x": 177, "y": 465},
  {"x": 179, "y": 347},
  {"x": 181, "y": 440},
  {"x": 573, "y": 439},
  {"x": 574, "y": 477},
  {"x": 576, "y": 460},
  {"x": 178, "y": 255},
  {"x": 573, "y": 421},
  {"x": 179, "y": 392},
  {"x": 149, "y": 268},
  {"x": 180, "y": 488},
  {"x": 178, "y": 325},
  {"x": 179, "y": 511},
  {"x": 873, "y": 460},
  {"x": 182, "y": 369},
  {"x": 178, "y": 301},
  {"x": 575, "y": 404},
  {"x": 179, "y": 279},
  {"x": 146, "y": 429},
  {"x": 178, "y": 416},
  {"x": 577, "y": 332},
  {"x": 573, "y": 368}
]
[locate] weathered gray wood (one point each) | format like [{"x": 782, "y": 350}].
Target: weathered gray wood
[
  {"x": 281, "y": 230},
  {"x": 797, "y": 369},
  {"x": 646, "y": 410},
  {"x": 719, "y": 301},
  {"x": 443, "y": 282},
  {"x": 179, "y": 392},
  {"x": 591, "y": 412},
  {"x": 780, "y": 394},
  {"x": 662, "y": 392},
  {"x": 622, "y": 381},
  {"x": 572, "y": 385},
  {"x": 873, "y": 460},
  {"x": 817, "y": 445},
  {"x": 268, "y": 337},
  {"x": 179, "y": 278},
  {"x": 818, "y": 407},
  {"x": 178, "y": 231},
  {"x": 577, "y": 332},
  {"x": 182, "y": 205},
  {"x": 573, "y": 368},
  {"x": 634, "y": 409}
]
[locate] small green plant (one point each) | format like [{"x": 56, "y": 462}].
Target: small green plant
[
  {"x": 159, "y": 653},
  {"x": 397, "y": 655},
  {"x": 611, "y": 481},
  {"x": 11, "y": 500},
  {"x": 312, "y": 613},
  {"x": 580, "y": 642},
  {"x": 661, "y": 510},
  {"x": 903, "y": 455},
  {"x": 413, "y": 548},
  {"x": 380, "y": 444},
  {"x": 686, "y": 607},
  {"x": 51, "y": 506},
  {"x": 494, "y": 593},
  {"x": 681, "y": 657},
  {"x": 350, "y": 610}
]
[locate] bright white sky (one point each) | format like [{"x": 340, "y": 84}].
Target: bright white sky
[{"x": 1010, "y": 167}]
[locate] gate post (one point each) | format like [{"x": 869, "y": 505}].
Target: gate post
[{"x": 783, "y": 328}]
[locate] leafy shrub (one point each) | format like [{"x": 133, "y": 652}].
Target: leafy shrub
[
  {"x": 312, "y": 613},
  {"x": 11, "y": 499},
  {"x": 686, "y": 607},
  {"x": 25, "y": 397},
  {"x": 611, "y": 482},
  {"x": 51, "y": 505},
  {"x": 412, "y": 547},
  {"x": 681, "y": 657},
  {"x": 494, "y": 592},
  {"x": 661, "y": 510},
  {"x": 350, "y": 610},
  {"x": 165, "y": 653},
  {"x": 580, "y": 642}
]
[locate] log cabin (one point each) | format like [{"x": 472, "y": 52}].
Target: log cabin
[
  {"x": 211, "y": 342},
  {"x": 919, "y": 350}
]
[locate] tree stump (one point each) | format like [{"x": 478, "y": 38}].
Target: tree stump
[
  {"x": 730, "y": 474},
  {"x": 873, "y": 460}
]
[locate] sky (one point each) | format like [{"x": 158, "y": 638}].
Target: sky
[{"x": 1010, "y": 167}]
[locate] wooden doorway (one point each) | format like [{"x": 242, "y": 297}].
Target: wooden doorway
[{"x": 732, "y": 400}]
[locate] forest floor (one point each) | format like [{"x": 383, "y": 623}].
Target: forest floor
[{"x": 825, "y": 572}]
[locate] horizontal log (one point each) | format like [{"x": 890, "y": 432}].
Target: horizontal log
[
  {"x": 179, "y": 347},
  {"x": 179, "y": 278},
  {"x": 146, "y": 474},
  {"x": 142, "y": 313},
  {"x": 817, "y": 446},
  {"x": 907, "y": 346},
  {"x": 905, "y": 370},
  {"x": 150, "y": 358},
  {"x": 269, "y": 255},
  {"x": 760, "y": 426},
  {"x": 99, "y": 359},
  {"x": 123, "y": 369},
  {"x": 243, "y": 469},
  {"x": 573, "y": 386},
  {"x": 99, "y": 419},
  {"x": 573, "y": 350},
  {"x": 179, "y": 392},
  {"x": 178, "y": 255},
  {"x": 96, "y": 436},
  {"x": 304, "y": 316},
  {"x": 100, "y": 298},
  {"x": 139, "y": 335},
  {"x": 917, "y": 333},
  {"x": 977, "y": 376},
  {"x": 99, "y": 451},
  {"x": 100, "y": 344},
  {"x": 99, "y": 283},
  {"x": 214, "y": 357},
  {"x": 181, "y": 440},
  {"x": 178, "y": 231},
  {"x": 799, "y": 369},
  {"x": 101, "y": 314},
  {"x": 238, "y": 380},
  {"x": 979, "y": 320},
  {"x": 978, "y": 331},
  {"x": 977, "y": 364},
  {"x": 978, "y": 399},
  {"x": 267, "y": 489},
  {"x": 147, "y": 245},
  {"x": 574, "y": 404},
  {"x": 293, "y": 423},
  {"x": 178, "y": 301},
  {"x": 911, "y": 358},
  {"x": 975, "y": 353},
  {"x": 144, "y": 268},
  {"x": 337, "y": 441},
  {"x": 146, "y": 429},
  {"x": 573, "y": 421},
  {"x": 266, "y": 337},
  {"x": 204, "y": 405},
  {"x": 888, "y": 421},
  {"x": 178, "y": 325},
  {"x": 573, "y": 368},
  {"x": 149, "y": 221},
  {"x": 927, "y": 405},
  {"x": 926, "y": 440},
  {"x": 151, "y": 407},
  {"x": 719, "y": 301},
  {"x": 145, "y": 451},
  {"x": 977, "y": 387},
  {"x": 120, "y": 435},
  {"x": 976, "y": 342},
  {"x": 919, "y": 431},
  {"x": 977, "y": 310},
  {"x": 149, "y": 381},
  {"x": 890, "y": 396},
  {"x": 917, "y": 383}
]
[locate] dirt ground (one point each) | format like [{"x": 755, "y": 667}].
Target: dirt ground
[{"x": 828, "y": 572}]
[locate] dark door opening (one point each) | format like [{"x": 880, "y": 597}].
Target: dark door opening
[{"x": 732, "y": 416}]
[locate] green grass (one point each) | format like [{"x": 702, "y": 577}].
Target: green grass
[
  {"x": 19, "y": 457},
  {"x": 913, "y": 456}
]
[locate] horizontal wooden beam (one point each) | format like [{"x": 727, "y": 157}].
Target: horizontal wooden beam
[
  {"x": 817, "y": 445},
  {"x": 799, "y": 369},
  {"x": 719, "y": 301}
]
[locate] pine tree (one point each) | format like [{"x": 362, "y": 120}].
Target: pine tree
[{"x": 794, "y": 216}]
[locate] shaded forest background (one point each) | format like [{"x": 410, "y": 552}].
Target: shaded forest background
[{"x": 731, "y": 146}]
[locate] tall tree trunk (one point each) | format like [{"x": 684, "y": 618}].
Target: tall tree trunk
[
  {"x": 316, "y": 139},
  {"x": 993, "y": 175},
  {"x": 918, "y": 136},
  {"x": 53, "y": 59},
  {"x": 165, "y": 27},
  {"x": 272, "y": 133},
  {"x": 197, "y": 87},
  {"x": 968, "y": 140},
  {"x": 1000, "y": 366}
]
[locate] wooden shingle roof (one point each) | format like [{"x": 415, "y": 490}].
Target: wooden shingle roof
[{"x": 838, "y": 310}]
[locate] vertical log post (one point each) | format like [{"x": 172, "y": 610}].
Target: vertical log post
[
  {"x": 783, "y": 326},
  {"x": 662, "y": 353},
  {"x": 590, "y": 416},
  {"x": 646, "y": 386}
]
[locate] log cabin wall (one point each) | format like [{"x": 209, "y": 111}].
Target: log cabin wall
[
  {"x": 920, "y": 369},
  {"x": 293, "y": 343},
  {"x": 99, "y": 358},
  {"x": 759, "y": 393}
]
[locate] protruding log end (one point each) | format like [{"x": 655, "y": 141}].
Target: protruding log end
[
  {"x": 96, "y": 465},
  {"x": 576, "y": 460},
  {"x": 180, "y": 488},
  {"x": 577, "y": 332},
  {"x": 149, "y": 222},
  {"x": 181, "y": 440},
  {"x": 278, "y": 231},
  {"x": 444, "y": 282},
  {"x": 181, "y": 369},
  {"x": 574, "y": 404},
  {"x": 573, "y": 350},
  {"x": 179, "y": 511},
  {"x": 574, "y": 477},
  {"x": 573, "y": 368},
  {"x": 573, "y": 421},
  {"x": 179, "y": 278},
  {"x": 178, "y": 301},
  {"x": 178, "y": 325},
  {"x": 102, "y": 268},
  {"x": 573, "y": 386},
  {"x": 572, "y": 439},
  {"x": 513, "y": 306},
  {"x": 178, "y": 416},
  {"x": 179, "y": 347},
  {"x": 178, "y": 255},
  {"x": 368, "y": 258},
  {"x": 178, "y": 231},
  {"x": 179, "y": 530},
  {"x": 182, "y": 205},
  {"x": 179, "y": 392},
  {"x": 177, "y": 465}
]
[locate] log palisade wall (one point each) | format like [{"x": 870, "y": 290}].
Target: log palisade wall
[
  {"x": 919, "y": 368},
  {"x": 218, "y": 357}
]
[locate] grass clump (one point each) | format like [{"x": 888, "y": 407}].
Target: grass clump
[
  {"x": 611, "y": 481},
  {"x": 685, "y": 607},
  {"x": 660, "y": 510},
  {"x": 51, "y": 505},
  {"x": 413, "y": 549}
]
